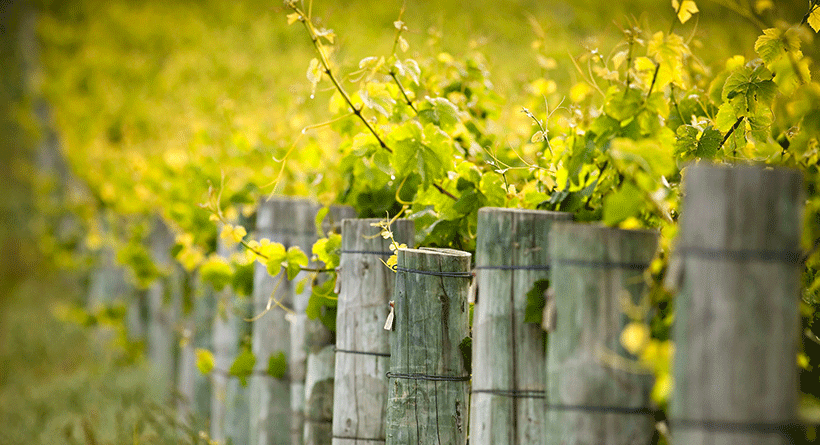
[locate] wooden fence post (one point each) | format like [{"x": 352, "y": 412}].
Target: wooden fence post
[
  {"x": 163, "y": 299},
  {"x": 428, "y": 380},
  {"x": 318, "y": 352},
  {"x": 193, "y": 387},
  {"x": 736, "y": 322},
  {"x": 512, "y": 253},
  {"x": 362, "y": 344},
  {"x": 230, "y": 404},
  {"x": 287, "y": 221},
  {"x": 290, "y": 221},
  {"x": 590, "y": 400}
]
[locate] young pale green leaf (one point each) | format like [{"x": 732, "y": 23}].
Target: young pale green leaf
[
  {"x": 326, "y": 250},
  {"x": 276, "y": 254},
  {"x": 242, "y": 366},
  {"x": 204, "y": 360},
  {"x": 314, "y": 71},
  {"x": 814, "y": 17},
  {"x": 769, "y": 46},
  {"x": 685, "y": 10},
  {"x": 278, "y": 365},
  {"x": 440, "y": 112},
  {"x": 726, "y": 117},
  {"x": 536, "y": 300},
  {"x": 296, "y": 259},
  {"x": 319, "y": 219},
  {"x": 622, "y": 204}
]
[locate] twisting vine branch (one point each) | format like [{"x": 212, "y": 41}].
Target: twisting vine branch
[{"x": 323, "y": 59}]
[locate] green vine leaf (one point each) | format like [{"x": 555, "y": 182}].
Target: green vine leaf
[
  {"x": 440, "y": 112},
  {"x": 622, "y": 204},
  {"x": 278, "y": 365},
  {"x": 296, "y": 260},
  {"x": 749, "y": 87},
  {"x": 242, "y": 366},
  {"x": 536, "y": 300},
  {"x": 685, "y": 10}
]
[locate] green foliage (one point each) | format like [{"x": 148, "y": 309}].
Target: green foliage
[
  {"x": 426, "y": 130},
  {"x": 216, "y": 271},
  {"x": 242, "y": 366},
  {"x": 278, "y": 365},
  {"x": 536, "y": 300}
]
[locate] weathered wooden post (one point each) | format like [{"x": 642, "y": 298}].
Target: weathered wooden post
[
  {"x": 273, "y": 421},
  {"x": 428, "y": 381},
  {"x": 163, "y": 299},
  {"x": 736, "y": 321},
  {"x": 290, "y": 221},
  {"x": 362, "y": 344},
  {"x": 512, "y": 254},
  {"x": 589, "y": 399},
  {"x": 192, "y": 386},
  {"x": 318, "y": 352},
  {"x": 319, "y": 396},
  {"x": 230, "y": 404}
]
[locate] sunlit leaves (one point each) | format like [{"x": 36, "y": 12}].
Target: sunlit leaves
[
  {"x": 423, "y": 150},
  {"x": 327, "y": 249},
  {"x": 771, "y": 44},
  {"x": 685, "y": 9},
  {"x": 276, "y": 255},
  {"x": 204, "y": 360},
  {"x": 748, "y": 87},
  {"x": 669, "y": 51},
  {"x": 622, "y": 204},
  {"x": 690, "y": 141},
  {"x": 814, "y": 17},
  {"x": 296, "y": 260},
  {"x": 439, "y": 111}
]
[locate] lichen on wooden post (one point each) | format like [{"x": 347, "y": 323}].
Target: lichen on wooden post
[
  {"x": 590, "y": 400},
  {"x": 428, "y": 380},
  {"x": 362, "y": 344},
  {"x": 512, "y": 255},
  {"x": 737, "y": 324}
]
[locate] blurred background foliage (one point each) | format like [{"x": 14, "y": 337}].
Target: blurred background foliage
[{"x": 139, "y": 106}]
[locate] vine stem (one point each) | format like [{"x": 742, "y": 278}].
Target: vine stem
[
  {"x": 314, "y": 37},
  {"x": 731, "y": 130},
  {"x": 403, "y": 92}
]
